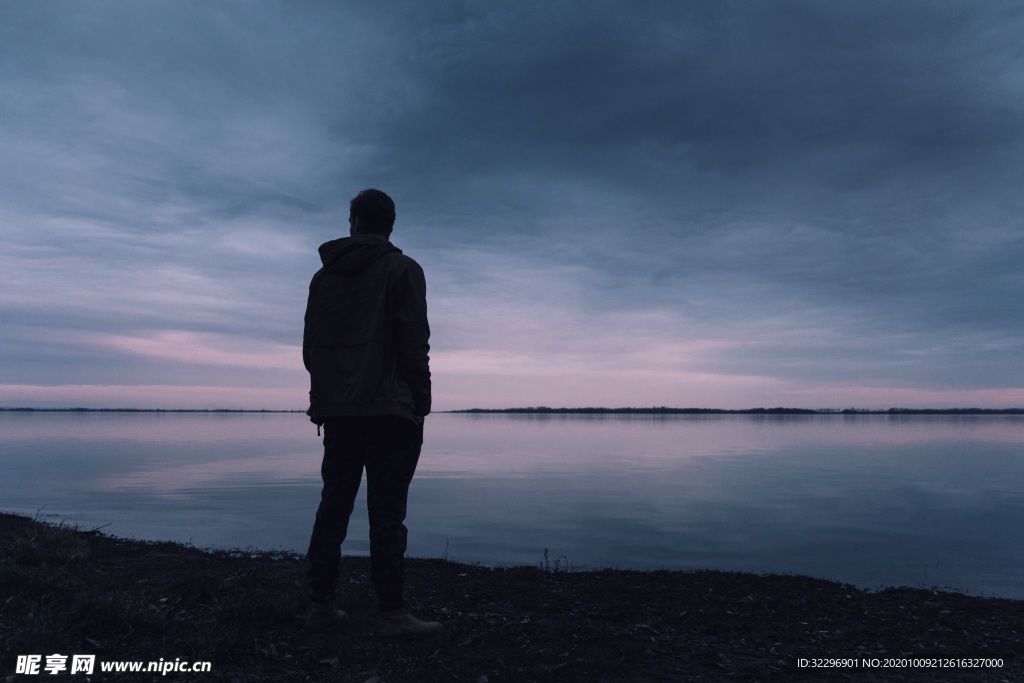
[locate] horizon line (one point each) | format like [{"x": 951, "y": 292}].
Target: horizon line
[{"x": 576, "y": 410}]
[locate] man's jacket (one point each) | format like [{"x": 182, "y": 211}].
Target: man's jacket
[{"x": 365, "y": 341}]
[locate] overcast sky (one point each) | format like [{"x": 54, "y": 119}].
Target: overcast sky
[{"x": 694, "y": 204}]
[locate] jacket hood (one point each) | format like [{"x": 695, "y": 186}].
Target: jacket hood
[{"x": 354, "y": 254}]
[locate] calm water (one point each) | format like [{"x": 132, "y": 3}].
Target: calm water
[{"x": 870, "y": 500}]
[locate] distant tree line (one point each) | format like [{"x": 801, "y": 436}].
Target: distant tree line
[
  {"x": 143, "y": 410},
  {"x": 663, "y": 410}
]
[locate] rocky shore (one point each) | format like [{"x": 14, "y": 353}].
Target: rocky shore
[{"x": 68, "y": 592}]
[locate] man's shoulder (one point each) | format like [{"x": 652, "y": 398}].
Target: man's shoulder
[{"x": 399, "y": 259}]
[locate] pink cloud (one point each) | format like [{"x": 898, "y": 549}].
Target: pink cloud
[
  {"x": 154, "y": 396},
  {"x": 204, "y": 348}
]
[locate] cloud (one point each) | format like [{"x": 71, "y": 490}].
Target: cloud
[
  {"x": 202, "y": 349},
  {"x": 149, "y": 396},
  {"x": 788, "y": 196}
]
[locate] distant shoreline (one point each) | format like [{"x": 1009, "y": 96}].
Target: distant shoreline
[
  {"x": 142, "y": 410},
  {"x": 544, "y": 410}
]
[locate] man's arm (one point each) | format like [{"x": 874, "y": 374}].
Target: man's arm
[
  {"x": 306, "y": 333},
  {"x": 412, "y": 335}
]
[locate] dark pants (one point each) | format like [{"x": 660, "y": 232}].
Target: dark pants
[{"x": 388, "y": 446}]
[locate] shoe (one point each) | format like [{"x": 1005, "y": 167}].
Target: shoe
[
  {"x": 402, "y": 623},
  {"x": 323, "y": 615}
]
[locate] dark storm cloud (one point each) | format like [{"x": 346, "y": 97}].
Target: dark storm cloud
[
  {"x": 812, "y": 192},
  {"x": 850, "y": 168},
  {"x": 728, "y": 88}
]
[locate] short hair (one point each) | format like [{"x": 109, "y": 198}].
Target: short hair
[{"x": 375, "y": 211}]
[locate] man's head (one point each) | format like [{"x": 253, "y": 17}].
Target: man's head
[{"x": 371, "y": 212}]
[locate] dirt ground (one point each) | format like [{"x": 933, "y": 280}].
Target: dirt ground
[{"x": 68, "y": 591}]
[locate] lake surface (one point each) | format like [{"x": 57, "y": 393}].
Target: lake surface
[{"x": 870, "y": 500}]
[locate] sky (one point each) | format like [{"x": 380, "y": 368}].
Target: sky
[{"x": 703, "y": 204}]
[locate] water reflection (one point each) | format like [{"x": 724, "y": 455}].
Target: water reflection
[{"x": 873, "y": 500}]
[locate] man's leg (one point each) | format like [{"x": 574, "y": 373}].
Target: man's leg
[
  {"x": 345, "y": 441},
  {"x": 389, "y": 471}
]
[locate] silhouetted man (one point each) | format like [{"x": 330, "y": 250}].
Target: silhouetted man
[{"x": 365, "y": 346}]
